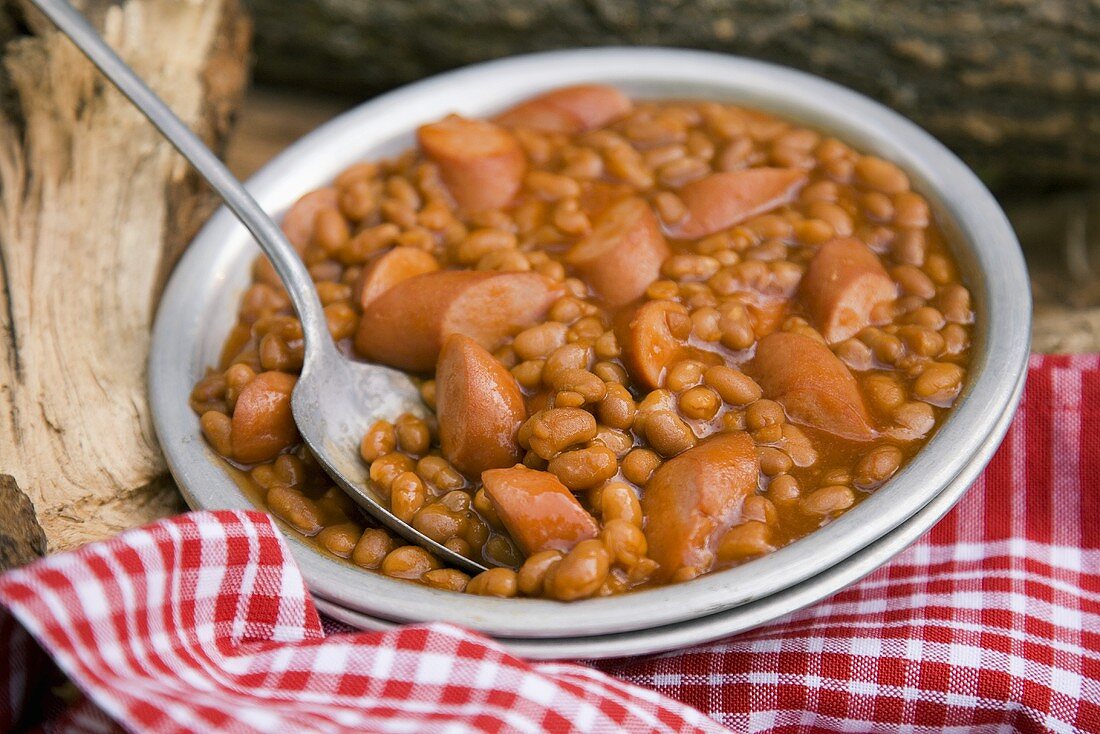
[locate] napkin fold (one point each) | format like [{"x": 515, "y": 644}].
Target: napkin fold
[{"x": 200, "y": 623}]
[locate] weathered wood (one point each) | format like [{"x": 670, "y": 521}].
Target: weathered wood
[
  {"x": 1014, "y": 86},
  {"x": 94, "y": 206},
  {"x": 21, "y": 537}
]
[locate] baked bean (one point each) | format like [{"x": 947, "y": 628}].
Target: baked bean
[
  {"x": 529, "y": 579},
  {"x": 591, "y": 388},
  {"x": 407, "y": 495},
  {"x": 409, "y": 562},
  {"x": 734, "y": 386},
  {"x": 876, "y": 173},
  {"x": 584, "y": 468},
  {"x": 827, "y": 501},
  {"x": 373, "y": 546},
  {"x": 939, "y": 383},
  {"x": 580, "y": 573},
  {"x": 700, "y": 403},
  {"x": 876, "y": 466},
  {"x": 379, "y": 440},
  {"x": 954, "y": 303},
  {"x": 217, "y": 429},
  {"x": 618, "y": 501},
  {"x": 494, "y": 582},
  {"x": 555, "y": 430},
  {"x": 438, "y": 522},
  {"x": 485, "y": 508},
  {"x": 638, "y": 466},
  {"x": 783, "y": 490},
  {"x": 617, "y": 408},
  {"x": 914, "y": 420},
  {"x": 340, "y": 539},
  {"x": 385, "y": 469},
  {"x": 610, "y": 372},
  {"x": 750, "y": 538},
  {"x": 567, "y": 357},
  {"x": 625, "y": 542},
  {"x": 447, "y": 579},
  {"x": 427, "y": 393},
  {"x": 668, "y": 434},
  {"x": 913, "y": 281},
  {"x": 764, "y": 413},
  {"x": 539, "y": 341},
  {"x": 773, "y": 461},
  {"x": 440, "y": 473},
  {"x": 884, "y": 391},
  {"x": 295, "y": 509},
  {"x": 413, "y": 435},
  {"x": 956, "y": 340},
  {"x": 620, "y": 442}
]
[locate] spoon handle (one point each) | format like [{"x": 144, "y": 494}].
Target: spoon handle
[{"x": 268, "y": 234}]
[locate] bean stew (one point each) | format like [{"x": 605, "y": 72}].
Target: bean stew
[{"x": 658, "y": 338}]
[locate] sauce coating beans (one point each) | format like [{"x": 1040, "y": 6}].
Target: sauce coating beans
[{"x": 658, "y": 339}]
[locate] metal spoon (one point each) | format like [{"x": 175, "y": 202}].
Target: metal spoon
[{"x": 336, "y": 399}]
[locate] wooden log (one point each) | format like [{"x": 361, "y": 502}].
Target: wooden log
[
  {"x": 94, "y": 207},
  {"x": 1014, "y": 87}
]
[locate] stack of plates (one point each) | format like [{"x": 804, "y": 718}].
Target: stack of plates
[{"x": 200, "y": 302}]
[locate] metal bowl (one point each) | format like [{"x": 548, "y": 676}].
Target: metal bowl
[{"x": 199, "y": 305}]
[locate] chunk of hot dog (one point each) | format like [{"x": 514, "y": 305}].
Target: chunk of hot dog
[
  {"x": 722, "y": 200},
  {"x": 569, "y": 110},
  {"x": 481, "y": 163},
  {"x": 844, "y": 283},
  {"x": 692, "y": 499},
  {"x": 400, "y": 263},
  {"x": 263, "y": 424},
  {"x": 537, "y": 510},
  {"x": 479, "y": 406},
  {"x": 654, "y": 337},
  {"x": 405, "y": 326},
  {"x": 623, "y": 254},
  {"x": 298, "y": 220},
  {"x": 812, "y": 384}
]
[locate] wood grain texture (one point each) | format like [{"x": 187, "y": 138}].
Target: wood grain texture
[
  {"x": 1013, "y": 86},
  {"x": 94, "y": 207}
]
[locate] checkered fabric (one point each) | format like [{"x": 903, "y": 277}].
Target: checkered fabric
[{"x": 990, "y": 623}]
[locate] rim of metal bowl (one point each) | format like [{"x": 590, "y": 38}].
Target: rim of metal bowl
[
  {"x": 194, "y": 317},
  {"x": 745, "y": 617}
]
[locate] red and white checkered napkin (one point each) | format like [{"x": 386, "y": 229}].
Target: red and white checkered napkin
[{"x": 990, "y": 623}]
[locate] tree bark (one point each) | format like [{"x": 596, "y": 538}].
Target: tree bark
[
  {"x": 94, "y": 208},
  {"x": 1014, "y": 87}
]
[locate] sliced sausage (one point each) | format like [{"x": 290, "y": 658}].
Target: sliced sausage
[
  {"x": 481, "y": 163},
  {"x": 298, "y": 220},
  {"x": 400, "y": 263},
  {"x": 656, "y": 336},
  {"x": 812, "y": 384},
  {"x": 691, "y": 500},
  {"x": 405, "y": 326},
  {"x": 263, "y": 424},
  {"x": 844, "y": 283},
  {"x": 623, "y": 254},
  {"x": 722, "y": 200},
  {"x": 569, "y": 110},
  {"x": 479, "y": 406},
  {"x": 537, "y": 510}
]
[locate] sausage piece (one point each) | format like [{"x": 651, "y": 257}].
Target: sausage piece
[
  {"x": 400, "y": 263},
  {"x": 479, "y": 406},
  {"x": 298, "y": 220},
  {"x": 722, "y": 200},
  {"x": 812, "y": 384},
  {"x": 691, "y": 500},
  {"x": 537, "y": 510},
  {"x": 481, "y": 163},
  {"x": 843, "y": 284},
  {"x": 569, "y": 110},
  {"x": 405, "y": 326},
  {"x": 623, "y": 254},
  {"x": 263, "y": 424},
  {"x": 655, "y": 338}
]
